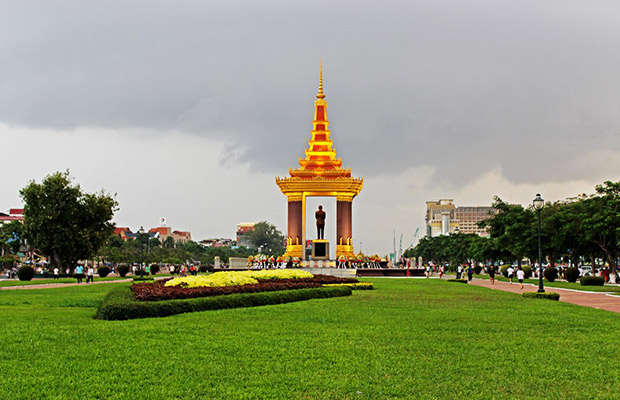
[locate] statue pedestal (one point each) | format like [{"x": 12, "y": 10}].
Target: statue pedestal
[{"x": 320, "y": 249}]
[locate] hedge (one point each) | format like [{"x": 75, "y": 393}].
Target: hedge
[
  {"x": 551, "y": 274},
  {"x": 457, "y": 280},
  {"x": 122, "y": 270},
  {"x": 592, "y": 281},
  {"x": 120, "y": 303},
  {"x": 103, "y": 271},
  {"x": 25, "y": 273},
  {"x": 571, "y": 274},
  {"x": 546, "y": 295}
]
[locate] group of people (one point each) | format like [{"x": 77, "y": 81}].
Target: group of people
[{"x": 81, "y": 272}]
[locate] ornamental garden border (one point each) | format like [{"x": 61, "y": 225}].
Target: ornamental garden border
[{"x": 120, "y": 303}]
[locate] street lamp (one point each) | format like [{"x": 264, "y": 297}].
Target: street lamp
[
  {"x": 538, "y": 205},
  {"x": 456, "y": 233}
]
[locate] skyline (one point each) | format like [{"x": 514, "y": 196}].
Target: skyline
[{"x": 189, "y": 111}]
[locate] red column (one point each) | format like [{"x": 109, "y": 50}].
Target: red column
[
  {"x": 294, "y": 221},
  {"x": 344, "y": 227}
]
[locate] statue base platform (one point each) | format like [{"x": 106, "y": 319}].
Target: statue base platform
[{"x": 320, "y": 249}]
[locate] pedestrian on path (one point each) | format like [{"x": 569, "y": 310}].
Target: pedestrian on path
[
  {"x": 491, "y": 271},
  {"x": 90, "y": 275},
  {"x": 79, "y": 273},
  {"x": 459, "y": 271},
  {"x": 441, "y": 269},
  {"x": 470, "y": 273},
  {"x": 511, "y": 273},
  {"x": 56, "y": 271},
  {"x": 520, "y": 276}
]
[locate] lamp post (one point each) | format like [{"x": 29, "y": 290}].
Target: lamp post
[
  {"x": 538, "y": 204},
  {"x": 456, "y": 235}
]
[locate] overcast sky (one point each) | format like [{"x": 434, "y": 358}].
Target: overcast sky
[{"x": 189, "y": 109}]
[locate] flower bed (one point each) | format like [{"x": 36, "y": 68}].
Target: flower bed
[
  {"x": 237, "y": 278},
  {"x": 161, "y": 290},
  {"x": 120, "y": 303},
  {"x": 354, "y": 286}
]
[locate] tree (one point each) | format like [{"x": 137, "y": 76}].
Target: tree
[
  {"x": 267, "y": 238},
  {"x": 11, "y": 235},
  {"x": 601, "y": 220},
  {"x": 514, "y": 229},
  {"x": 65, "y": 223}
]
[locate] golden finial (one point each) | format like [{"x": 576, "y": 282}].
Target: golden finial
[{"x": 320, "y": 95}]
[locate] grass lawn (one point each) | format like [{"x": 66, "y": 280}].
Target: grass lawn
[
  {"x": 558, "y": 284},
  {"x": 45, "y": 281},
  {"x": 407, "y": 339}
]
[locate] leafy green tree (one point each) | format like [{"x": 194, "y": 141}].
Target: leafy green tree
[
  {"x": 65, "y": 223},
  {"x": 11, "y": 237},
  {"x": 266, "y": 237},
  {"x": 514, "y": 229},
  {"x": 601, "y": 220}
]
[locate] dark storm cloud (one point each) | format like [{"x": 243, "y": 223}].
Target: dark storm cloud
[{"x": 462, "y": 86}]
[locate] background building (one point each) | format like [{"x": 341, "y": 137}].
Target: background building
[
  {"x": 443, "y": 217},
  {"x": 242, "y": 229},
  {"x": 14, "y": 214}
]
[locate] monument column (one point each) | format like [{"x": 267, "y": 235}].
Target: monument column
[
  {"x": 294, "y": 224},
  {"x": 344, "y": 227}
]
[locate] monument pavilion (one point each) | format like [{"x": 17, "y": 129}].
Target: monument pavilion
[{"x": 320, "y": 173}]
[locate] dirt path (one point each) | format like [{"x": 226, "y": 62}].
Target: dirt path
[{"x": 599, "y": 300}]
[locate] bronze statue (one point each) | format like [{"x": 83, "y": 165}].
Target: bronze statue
[{"x": 320, "y": 223}]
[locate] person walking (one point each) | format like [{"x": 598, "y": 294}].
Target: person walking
[
  {"x": 491, "y": 271},
  {"x": 511, "y": 273},
  {"x": 520, "y": 276},
  {"x": 441, "y": 269},
  {"x": 79, "y": 273},
  {"x": 90, "y": 275},
  {"x": 459, "y": 271},
  {"x": 56, "y": 271},
  {"x": 470, "y": 273}
]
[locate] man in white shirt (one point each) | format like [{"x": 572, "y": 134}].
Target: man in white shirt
[
  {"x": 520, "y": 276},
  {"x": 56, "y": 272},
  {"x": 511, "y": 273}
]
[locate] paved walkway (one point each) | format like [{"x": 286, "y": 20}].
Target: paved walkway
[
  {"x": 57, "y": 285},
  {"x": 599, "y": 300}
]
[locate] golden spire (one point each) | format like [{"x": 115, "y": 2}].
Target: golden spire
[{"x": 320, "y": 95}]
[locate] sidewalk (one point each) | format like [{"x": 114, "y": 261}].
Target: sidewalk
[
  {"x": 598, "y": 300},
  {"x": 57, "y": 285}
]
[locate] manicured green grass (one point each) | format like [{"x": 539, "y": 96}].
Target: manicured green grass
[
  {"x": 407, "y": 339},
  {"x": 559, "y": 284},
  {"x": 15, "y": 282}
]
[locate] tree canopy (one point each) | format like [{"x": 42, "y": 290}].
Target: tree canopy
[
  {"x": 266, "y": 237},
  {"x": 65, "y": 223}
]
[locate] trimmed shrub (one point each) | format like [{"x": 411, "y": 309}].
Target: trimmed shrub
[
  {"x": 120, "y": 303},
  {"x": 571, "y": 274},
  {"x": 477, "y": 269},
  {"x": 103, "y": 271},
  {"x": 528, "y": 272},
  {"x": 546, "y": 295},
  {"x": 143, "y": 279},
  {"x": 457, "y": 280},
  {"x": 203, "y": 268},
  {"x": 154, "y": 269},
  {"x": 122, "y": 270},
  {"x": 592, "y": 281},
  {"x": 504, "y": 270},
  {"x": 550, "y": 274},
  {"x": 25, "y": 273}
]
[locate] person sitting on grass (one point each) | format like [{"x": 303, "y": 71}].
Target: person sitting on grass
[{"x": 520, "y": 276}]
